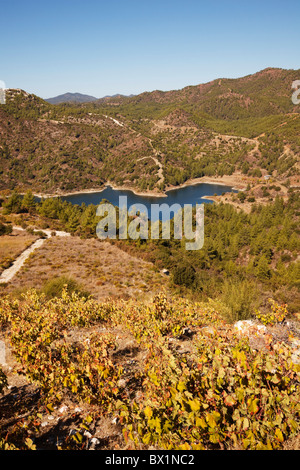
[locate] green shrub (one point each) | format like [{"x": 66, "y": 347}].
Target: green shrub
[
  {"x": 5, "y": 229},
  {"x": 240, "y": 297},
  {"x": 54, "y": 287},
  {"x": 184, "y": 275}
]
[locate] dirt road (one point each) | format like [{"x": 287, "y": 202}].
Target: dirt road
[{"x": 8, "y": 274}]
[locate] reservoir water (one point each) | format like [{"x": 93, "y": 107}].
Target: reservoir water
[{"x": 192, "y": 194}]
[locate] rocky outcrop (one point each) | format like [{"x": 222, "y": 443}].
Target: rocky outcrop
[{"x": 261, "y": 336}]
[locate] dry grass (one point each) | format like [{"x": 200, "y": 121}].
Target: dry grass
[
  {"x": 11, "y": 246},
  {"x": 100, "y": 268}
]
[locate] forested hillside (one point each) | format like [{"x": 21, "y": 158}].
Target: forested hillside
[
  {"x": 246, "y": 257},
  {"x": 247, "y": 125}
]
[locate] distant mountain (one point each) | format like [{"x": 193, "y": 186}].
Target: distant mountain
[
  {"x": 71, "y": 98},
  {"x": 80, "y": 98},
  {"x": 118, "y": 98},
  {"x": 117, "y": 95}
]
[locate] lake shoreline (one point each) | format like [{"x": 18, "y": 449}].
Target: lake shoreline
[{"x": 233, "y": 181}]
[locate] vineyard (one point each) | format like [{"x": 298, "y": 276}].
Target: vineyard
[{"x": 168, "y": 374}]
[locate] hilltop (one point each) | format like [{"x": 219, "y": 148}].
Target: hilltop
[
  {"x": 265, "y": 93},
  {"x": 80, "y": 98},
  {"x": 71, "y": 98}
]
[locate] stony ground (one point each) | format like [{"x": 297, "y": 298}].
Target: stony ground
[
  {"x": 22, "y": 398},
  {"x": 100, "y": 268}
]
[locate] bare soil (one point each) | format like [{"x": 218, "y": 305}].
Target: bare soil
[
  {"x": 100, "y": 268},
  {"x": 11, "y": 246}
]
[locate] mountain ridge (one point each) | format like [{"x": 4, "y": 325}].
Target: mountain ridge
[
  {"x": 71, "y": 98},
  {"x": 81, "y": 98}
]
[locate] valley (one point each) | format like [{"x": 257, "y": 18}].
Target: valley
[{"x": 140, "y": 344}]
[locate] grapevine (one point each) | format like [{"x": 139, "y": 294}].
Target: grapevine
[{"x": 205, "y": 389}]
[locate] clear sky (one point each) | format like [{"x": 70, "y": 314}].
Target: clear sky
[{"x": 103, "y": 47}]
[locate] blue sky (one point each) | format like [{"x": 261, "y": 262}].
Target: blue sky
[{"x": 128, "y": 46}]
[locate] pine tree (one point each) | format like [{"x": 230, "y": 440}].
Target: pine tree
[
  {"x": 13, "y": 204},
  {"x": 73, "y": 223},
  {"x": 28, "y": 201},
  {"x": 263, "y": 269}
]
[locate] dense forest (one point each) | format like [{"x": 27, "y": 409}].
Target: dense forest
[
  {"x": 245, "y": 257},
  {"x": 172, "y": 373}
]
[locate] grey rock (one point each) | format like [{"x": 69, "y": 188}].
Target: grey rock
[{"x": 2, "y": 354}]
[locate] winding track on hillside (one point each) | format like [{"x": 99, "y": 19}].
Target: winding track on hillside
[{"x": 160, "y": 172}]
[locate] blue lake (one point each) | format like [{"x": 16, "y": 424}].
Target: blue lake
[{"x": 192, "y": 194}]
